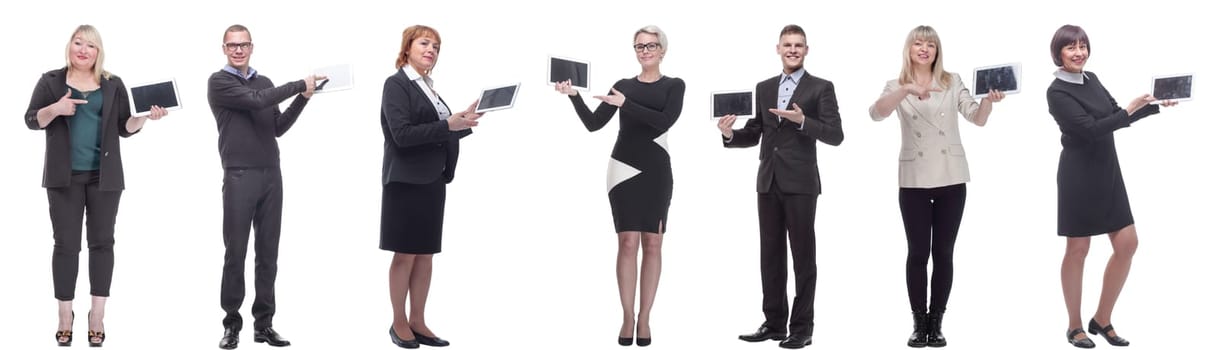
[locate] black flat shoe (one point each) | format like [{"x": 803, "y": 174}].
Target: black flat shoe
[
  {"x": 63, "y": 337},
  {"x": 1085, "y": 343},
  {"x": 229, "y": 340},
  {"x": 269, "y": 336},
  {"x": 763, "y": 333},
  {"x": 643, "y": 341},
  {"x": 1116, "y": 340},
  {"x": 796, "y": 342},
  {"x": 406, "y": 344},
  {"x": 624, "y": 341},
  {"x": 429, "y": 341}
]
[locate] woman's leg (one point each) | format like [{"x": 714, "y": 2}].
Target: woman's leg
[
  {"x": 625, "y": 269},
  {"x": 1124, "y": 241},
  {"x": 421, "y": 281},
  {"x": 650, "y": 277},
  {"x": 102, "y": 208},
  {"x": 1071, "y": 276},
  {"x": 400, "y": 282},
  {"x": 916, "y": 208},
  {"x": 948, "y": 207}
]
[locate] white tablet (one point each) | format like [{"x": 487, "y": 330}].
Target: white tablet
[
  {"x": 737, "y": 102},
  {"x": 497, "y": 98},
  {"x": 1003, "y": 77},
  {"x": 562, "y": 69},
  {"x": 1173, "y": 87},
  {"x": 338, "y": 77},
  {"x": 162, "y": 93}
]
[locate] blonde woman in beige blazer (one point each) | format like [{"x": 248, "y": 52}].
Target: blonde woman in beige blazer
[{"x": 932, "y": 171}]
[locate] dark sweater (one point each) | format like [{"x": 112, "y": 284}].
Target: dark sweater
[{"x": 248, "y": 117}]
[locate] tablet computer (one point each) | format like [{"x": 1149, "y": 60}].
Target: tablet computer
[
  {"x": 338, "y": 77},
  {"x": 562, "y": 69},
  {"x": 1173, "y": 87},
  {"x": 1003, "y": 77},
  {"x": 497, "y": 98},
  {"x": 162, "y": 93},
  {"x": 736, "y": 102}
]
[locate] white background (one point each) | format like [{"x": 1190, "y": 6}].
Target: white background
[{"x": 529, "y": 248}]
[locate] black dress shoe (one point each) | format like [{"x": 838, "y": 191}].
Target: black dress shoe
[
  {"x": 762, "y": 334},
  {"x": 1084, "y": 343},
  {"x": 624, "y": 341},
  {"x": 1116, "y": 340},
  {"x": 430, "y": 341},
  {"x": 796, "y": 342},
  {"x": 406, "y": 344},
  {"x": 269, "y": 336},
  {"x": 643, "y": 341},
  {"x": 229, "y": 340}
]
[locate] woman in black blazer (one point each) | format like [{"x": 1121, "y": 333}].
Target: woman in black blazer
[
  {"x": 1092, "y": 195},
  {"x": 84, "y": 110},
  {"x": 421, "y": 151}
]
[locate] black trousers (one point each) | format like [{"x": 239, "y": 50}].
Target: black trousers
[
  {"x": 251, "y": 196},
  {"x": 932, "y": 217},
  {"x": 82, "y": 199},
  {"x": 784, "y": 218}
]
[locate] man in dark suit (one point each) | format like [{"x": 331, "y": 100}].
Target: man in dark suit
[
  {"x": 805, "y": 111},
  {"x": 248, "y": 117}
]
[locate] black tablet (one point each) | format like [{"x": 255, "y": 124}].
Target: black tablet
[
  {"x": 497, "y": 98},
  {"x": 738, "y": 102},
  {"x": 562, "y": 69},
  {"x": 1005, "y": 78},
  {"x": 162, "y": 93}
]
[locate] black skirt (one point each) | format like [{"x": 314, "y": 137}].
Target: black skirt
[{"x": 412, "y": 216}]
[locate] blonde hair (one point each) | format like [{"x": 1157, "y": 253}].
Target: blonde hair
[
  {"x": 89, "y": 34},
  {"x": 927, "y": 34},
  {"x": 654, "y": 30}
]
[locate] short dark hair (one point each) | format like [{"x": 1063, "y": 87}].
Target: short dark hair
[
  {"x": 1067, "y": 35},
  {"x": 791, "y": 29},
  {"x": 233, "y": 29}
]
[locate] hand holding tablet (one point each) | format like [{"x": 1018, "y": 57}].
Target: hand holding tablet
[
  {"x": 739, "y": 103},
  {"x": 1005, "y": 78},
  {"x": 497, "y": 97},
  {"x": 1172, "y": 88},
  {"x": 575, "y": 72},
  {"x": 334, "y": 78}
]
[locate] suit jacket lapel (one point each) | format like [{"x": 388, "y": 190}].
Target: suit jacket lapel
[
  {"x": 420, "y": 92},
  {"x": 109, "y": 91},
  {"x": 768, "y": 96}
]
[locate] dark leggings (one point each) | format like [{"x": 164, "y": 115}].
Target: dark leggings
[
  {"x": 931, "y": 217},
  {"x": 82, "y": 199}
]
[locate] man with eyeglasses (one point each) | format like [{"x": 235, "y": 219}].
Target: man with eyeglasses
[
  {"x": 804, "y": 111},
  {"x": 246, "y": 107}
]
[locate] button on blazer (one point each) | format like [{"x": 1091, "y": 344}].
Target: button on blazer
[{"x": 932, "y": 154}]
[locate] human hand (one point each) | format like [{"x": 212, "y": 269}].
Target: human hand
[{"x": 615, "y": 98}]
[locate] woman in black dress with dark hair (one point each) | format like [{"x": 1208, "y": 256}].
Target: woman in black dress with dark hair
[
  {"x": 1092, "y": 195},
  {"x": 639, "y": 179}
]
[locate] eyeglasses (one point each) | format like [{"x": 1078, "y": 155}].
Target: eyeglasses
[
  {"x": 650, "y": 47},
  {"x": 231, "y": 47}
]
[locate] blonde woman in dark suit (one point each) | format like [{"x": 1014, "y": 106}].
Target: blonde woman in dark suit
[
  {"x": 932, "y": 171},
  {"x": 84, "y": 110}
]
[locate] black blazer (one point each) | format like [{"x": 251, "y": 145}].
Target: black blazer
[
  {"x": 57, "y": 164},
  {"x": 419, "y": 148},
  {"x": 788, "y": 155}
]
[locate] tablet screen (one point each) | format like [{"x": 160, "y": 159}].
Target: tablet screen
[
  {"x": 496, "y": 98},
  {"x": 739, "y": 103},
  {"x": 1002, "y": 77},
  {"x": 162, "y": 93},
  {"x": 1172, "y": 87},
  {"x": 562, "y": 69}
]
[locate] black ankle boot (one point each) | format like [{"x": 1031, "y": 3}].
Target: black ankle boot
[
  {"x": 919, "y": 338},
  {"x": 935, "y": 338}
]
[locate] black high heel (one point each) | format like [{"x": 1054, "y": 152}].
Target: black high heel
[
  {"x": 65, "y": 334},
  {"x": 100, "y": 335},
  {"x": 1095, "y": 329},
  {"x": 1085, "y": 343}
]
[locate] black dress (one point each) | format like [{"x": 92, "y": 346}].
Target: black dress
[
  {"x": 639, "y": 179},
  {"x": 1092, "y": 195}
]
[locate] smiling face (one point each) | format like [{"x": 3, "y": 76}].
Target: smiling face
[
  {"x": 924, "y": 52},
  {"x": 792, "y": 50},
  {"x": 1074, "y": 56},
  {"x": 423, "y": 52},
  {"x": 82, "y": 53},
  {"x": 237, "y": 48},
  {"x": 648, "y": 49}
]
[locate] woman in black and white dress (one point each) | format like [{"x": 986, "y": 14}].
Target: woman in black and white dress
[{"x": 639, "y": 179}]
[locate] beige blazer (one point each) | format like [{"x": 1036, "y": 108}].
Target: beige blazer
[{"x": 932, "y": 154}]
